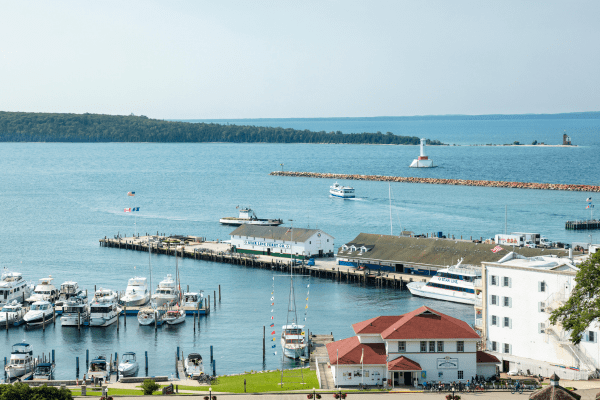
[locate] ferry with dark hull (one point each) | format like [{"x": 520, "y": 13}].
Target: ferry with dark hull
[{"x": 247, "y": 216}]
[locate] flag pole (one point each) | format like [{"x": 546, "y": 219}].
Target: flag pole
[{"x": 362, "y": 365}]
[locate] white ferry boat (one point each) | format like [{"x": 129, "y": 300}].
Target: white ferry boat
[
  {"x": 344, "y": 192},
  {"x": 75, "y": 311},
  {"x": 136, "y": 294},
  {"x": 166, "y": 292},
  {"x": 13, "y": 287},
  {"x": 454, "y": 284},
  {"x": 41, "y": 312},
  {"x": 13, "y": 312},
  {"x": 44, "y": 291},
  {"x": 21, "y": 361},
  {"x": 247, "y": 216},
  {"x": 104, "y": 310}
]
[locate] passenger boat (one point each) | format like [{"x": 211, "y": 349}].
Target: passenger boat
[
  {"x": 191, "y": 302},
  {"x": 75, "y": 311},
  {"x": 193, "y": 365},
  {"x": 104, "y": 310},
  {"x": 455, "y": 284},
  {"x": 13, "y": 287},
  {"x": 67, "y": 290},
  {"x": 293, "y": 344},
  {"x": 136, "y": 294},
  {"x": 344, "y": 192},
  {"x": 44, "y": 291},
  {"x": 43, "y": 371},
  {"x": 40, "y": 312},
  {"x": 98, "y": 368},
  {"x": 247, "y": 216},
  {"x": 128, "y": 366},
  {"x": 174, "y": 317},
  {"x": 13, "y": 312},
  {"x": 166, "y": 293},
  {"x": 21, "y": 361}
]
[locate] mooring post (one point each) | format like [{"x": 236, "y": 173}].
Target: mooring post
[
  {"x": 118, "y": 320},
  {"x": 77, "y": 366},
  {"x": 87, "y": 358},
  {"x": 146, "y": 355},
  {"x": 125, "y": 316},
  {"x": 155, "y": 318},
  {"x": 263, "y": 342},
  {"x": 178, "y": 353},
  {"x": 52, "y": 356},
  {"x": 194, "y": 322},
  {"x": 78, "y": 320},
  {"x": 215, "y": 298},
  {"x": 214, "y": 362},
  {"x": 211, "y": 354},
  {"x": 219, "y": 293},
  {"x": 208, "y": 302},
  {"x": 44, "y": 322}
]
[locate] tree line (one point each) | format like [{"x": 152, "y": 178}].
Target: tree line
[{"x": 49, "y": 127}]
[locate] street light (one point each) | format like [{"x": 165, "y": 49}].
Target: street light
[{"x": 210, "y": 393}]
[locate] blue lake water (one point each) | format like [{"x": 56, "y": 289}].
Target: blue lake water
[{"x": 57, "y": 200}]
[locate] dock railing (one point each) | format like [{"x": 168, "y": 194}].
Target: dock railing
[{"x": 318, "y": 371}]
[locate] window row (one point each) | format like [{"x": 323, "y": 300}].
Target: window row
[
  {"x": 505, "y": 301},
  {"x": 495, "y": 280},
  {"x": 432, "y": 346},
  {"x": 506, "y": 347},
  {"x": 505, "y": 322}
]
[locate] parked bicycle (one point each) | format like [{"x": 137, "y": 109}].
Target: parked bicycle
[{"x": 518, "y": 388}]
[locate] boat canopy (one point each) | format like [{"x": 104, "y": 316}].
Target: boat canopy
[{"x": 194, "y": 356}]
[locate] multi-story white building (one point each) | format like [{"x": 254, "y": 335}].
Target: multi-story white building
[{"x": 518, "y": 296}]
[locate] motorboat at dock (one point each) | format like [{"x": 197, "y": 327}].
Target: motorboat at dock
[
  {"x": 193, "y": 366},
  {"x": 174, "y": 316},
  {"x": 191, "y": 302},
  {"x": 75, "y": 312},
  {"x": 43, "y": 371},
  {"x": 128, "y": 366},
  {"x": 344, "y": 192},
  {"x": 44, "y": 291},
  {"x": 136, "y": 294},
  {"x": 147, "y": 316},
  {"x": 13, "y": 287},
  {"x": 40, "y": 313},
  {"x": 98, "y": 368},
  {"x": 67, "y": 290},
  {"x": 167, "y": 292},
  {"x": 13, "y": 313},
  {"x": 247, "y": 216},
  {"x": 21, "y": 361},
  {"x": 104, "y": 310}
]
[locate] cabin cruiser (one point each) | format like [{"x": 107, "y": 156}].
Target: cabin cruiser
[
  {"x": 344, "y": 192},
  {"x": 13, "y": 287},
  {"x": 174, "y": 316},
  {"x": 13, "y": 312},
  {"x": 136, "y": 294},
  {"x": 193, "y": 365},
  {"x": 191, "y": 302},
  {"x": 21, "y": 361},
  {"x": 44, "y": 291},
  {"x": 167, "y": 292},
  {"x": 75, "y": 311},
  {"x": 43, "y": 371},
  {"x": 67, "y": 290},
  {"x": 128, "y": 365},
  {"x": 103, "y": 309},
  {"x": 39, "y": 313},
  {"x": 292, "y": 340},
  {"x": 98, "y": 368},
  {"x": 247, "y": 216}
]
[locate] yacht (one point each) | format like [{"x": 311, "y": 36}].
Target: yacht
[
  {"x": 67, "y": 290},
  {"x": 174, "y": 316},
  {"x": 247, "y": 216},
  {"x": 166, "y": 292},
  {"x": 104, "y": 310},
  {"x": 75, "y": 311},
  {"x": 43, "y": 371},
  {"x": 455, "y": 284},
  {"x": 191, "y": 302},
  {"x": 21, "y": 361},
  {"x": 293, "y": 344},
  {"x": 344, "y": 192},
  {"x": 128, "y": 365},
  {"x": 193, "y": 365},
  {"x": 13, "y": 312},
  {"x": 40, "y": 312},
  {"x": 136, "y": 294},
  {"x": 13, "y": 287},
  {"x": 98, "y": 368},
  {"x": 44, "y": 291}
]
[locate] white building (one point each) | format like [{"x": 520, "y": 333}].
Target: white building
[
  {"x": 281, "y": 241},
  {"x": 519, "y": 295},
  {"x": 404, "y": 350}
]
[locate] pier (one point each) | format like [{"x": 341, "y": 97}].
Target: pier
[
  {"x": 440, "y": 181},
  {"x": 582, "y": 225}
]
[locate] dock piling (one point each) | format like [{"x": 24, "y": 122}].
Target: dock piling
[
  {"x": 215, "y": 298},
  {"x": 211, "y": 353},
  {"x": 146, "y": 355},
  {"x": 124, "y": 316},
  {"x": 77, "y": 367},
  {"x": 52, "y": 356},
  {"x": 219, "y": 293},
  {"x": 214, "y": 367}
]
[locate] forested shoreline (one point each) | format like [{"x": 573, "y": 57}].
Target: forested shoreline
[{"x": 82, "y": 128}]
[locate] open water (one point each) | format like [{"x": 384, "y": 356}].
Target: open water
[{"x": 57, "y": 200}]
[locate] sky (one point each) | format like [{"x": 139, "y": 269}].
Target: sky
[{"x": 299, "y": 59}]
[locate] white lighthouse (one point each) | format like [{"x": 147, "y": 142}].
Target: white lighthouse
[{"x": 422, "y": 161}]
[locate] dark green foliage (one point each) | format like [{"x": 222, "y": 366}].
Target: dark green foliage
[
  {"x": 583, "y": 307},
  {"x": 39, "y": 127},
  {"x": 22, "y": 391},
  {"x": 150, "y": 386}
]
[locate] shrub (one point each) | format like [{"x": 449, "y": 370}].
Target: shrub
[
  {"x": 207, "y": 398},
  {"x": 452, "y": 397},
  {"x": 149, "y": 386}
]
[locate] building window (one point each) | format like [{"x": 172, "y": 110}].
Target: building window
[
  {"x": 440, "y": 347},
  {"x": 506, "y": 301},
  {"x": 507, "y": 322},
  {"x": 401, "y": 347},
  {"x": 461, "y": 375},
  {"x": 507, "y": 348},
  {"x": 506, "y": 281},
  {"x": 494, "y": 280},
  {"x": 460, "y": 346},
  {"x": 494, "y": 346},
  {"x": 591, "y": 336},
  {"x": 494, "y": 320},
  {"x": 494, "y": 300},
  {"x": 432, "y": 347},
  {"x": 423, "y": 346},
  {"x": 367, "y": 374},
  {"x": 542, "y": 286}
]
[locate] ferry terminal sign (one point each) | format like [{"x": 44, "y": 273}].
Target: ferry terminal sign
[
  {"x": 447, "y": 363},
  {"x": 267, "y": 244}
]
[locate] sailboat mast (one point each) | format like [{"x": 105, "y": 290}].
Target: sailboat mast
[
  {"x": 150, "y": 264},
  {"x": 390, "y": 196}
]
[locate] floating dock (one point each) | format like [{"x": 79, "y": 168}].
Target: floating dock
[{"x": 582, "y": 225}]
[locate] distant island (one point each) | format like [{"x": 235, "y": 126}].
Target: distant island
[{"x": 94, "y": 128}]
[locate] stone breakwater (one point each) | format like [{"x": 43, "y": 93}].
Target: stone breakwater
[{"x": 440, "y": 181}]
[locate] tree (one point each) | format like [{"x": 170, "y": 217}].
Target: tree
[
  {"x": 534, "y": 142},
  {"x": 150, "y": 386},
  {"x": 583, "y": 307}
]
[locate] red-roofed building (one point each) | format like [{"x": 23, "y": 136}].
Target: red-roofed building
[{"x": 422, "y": 345}]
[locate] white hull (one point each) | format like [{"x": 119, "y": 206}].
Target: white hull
[
  {"x": 15, "y": 372},
  {"x": 419, "y": 289},
  {"x": 341, "y": 196},
  {"x": 71, "y": 320},
  {"x": 103, "y": 321},
  {"x": 162, "y": 300},
  {"x": 128, "y": 369},
  {"x": 294, "y": 351},
  {"x": 176, "y": 321},
  {"x": 38, "y": 319},
  {"x": 238, "y": 222},
  {"x": 145, "y": 319},
  {"x": 134, "y": 302},
  {"x": 13, "y": 318}
]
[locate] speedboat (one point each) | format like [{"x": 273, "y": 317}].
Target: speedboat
[
  {"x": 67, "y": 290},
  {"x": 292, "y": 340},
  {"x": 136, "y": 294},
  {"x": 191, "y": 302},
  {"x": 344, "y": 192},
  {"x": 166, "y": 292},
  {"x": 174, "y": 317},
  {"x": 43, "y": 371},
  {"x": 104, "y": 310},
  {"x": 455, "y": 284},
  {"x": 21, "y": 361},
  {"x": 75, "y": 312},
  {"x": 13, "y": 287},
  {"x": 128, "y": 365},
  {"x": 13, "y": 312},
  {"x": 193, "y": 365},
  {"x": 98, "y": 368},
  {"x": 41, "y": 312},
  {"x": 44, "y": 291},
  {"x": 247, "y": 216}
]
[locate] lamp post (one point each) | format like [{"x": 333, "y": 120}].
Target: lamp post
[
  {"x": 210, "y": 393},
  {"x": 314, "y": 394}
]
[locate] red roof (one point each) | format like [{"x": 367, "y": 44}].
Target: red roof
[
  {"x": 483, "y": 357},
  {"x": 350, "y": 351},
  {"x": 375, "y": 325},
  {"x": 403, "y": 364}
]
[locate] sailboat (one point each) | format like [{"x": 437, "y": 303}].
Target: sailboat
[
  {"x": 148, "y": 314},
  {"x": 293, "y": 344}
]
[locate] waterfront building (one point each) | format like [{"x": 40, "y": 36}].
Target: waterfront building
[
  {"x": 407, "y": 350},
  {"x": 280, "y": 241},
  {"x": 518, "y": 295}
]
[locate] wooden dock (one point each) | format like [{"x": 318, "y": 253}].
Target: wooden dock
[{"x": 582, "y": 225}]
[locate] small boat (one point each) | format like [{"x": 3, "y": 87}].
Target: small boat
[
  {"x": 98, "y": 368},
  {"x": 13, "y": 312},
  {"x": 136, "y": 294},
  {"x": 13, "y": 287},
  {"x": 191, "y": 302},
  {"x": 44, "y": 291},
  {"x": 43, "y": 371},
  {"x": 193, "y": 365},
  {"x": 21, "y": 361},
  {"x": 104, "y": 310},
  {"x": 75, "y": 311},
  {"x": 146, "y": 316},
  {"x": 166, "y": 292},
  {"x": 41, "y": 312},
  {"x": 67, "y": 290},
  {"x": 247, "y": 216},
  {"x": 344, "y": 192},
  {"x": 128, "y": 365},
  {"x": 174, "y": 317}
]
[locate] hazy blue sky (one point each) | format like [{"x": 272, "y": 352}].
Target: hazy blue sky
[{"x": 259, "y": 59}]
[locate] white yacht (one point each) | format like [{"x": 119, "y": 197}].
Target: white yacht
[
  {"x": 14, "y": 313},
  {"x": 21, "y": 361},
  {"x": 44, "y": 291},
  {"x": 40, "y": 312},
  {"x": 166, "y": 292},
  {"x": 454, "y": 284},
  {"x": 13, "y": 287},
  {"x": 104, "y": 310},
  {"x": 193, "y": 365},
  {"x": 247, "y": 216},
  {"x": 293, "y": 344},
  {"x": 174, "y": 316},
  {"x": 98, "y": 368},
  {"x": 344, "y": 192},
  {"x": 136, "y": 294},
  {"x": 191, "y": 302},
  {"x": 67, "y": 290},
  {"x": 43, "y": 372},
  {"x": 128, "y": 366},
  {"x": 146, "y": 316},
  {"x": 75, "y": 311}
]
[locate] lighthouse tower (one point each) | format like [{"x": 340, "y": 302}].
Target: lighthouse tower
[{"x": 422, "y": 161}]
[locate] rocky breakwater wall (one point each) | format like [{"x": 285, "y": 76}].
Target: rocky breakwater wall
[{"x": 440, "y": 181}]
